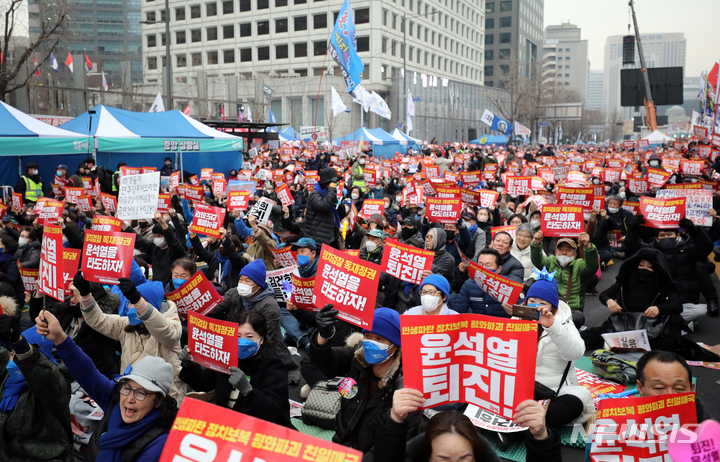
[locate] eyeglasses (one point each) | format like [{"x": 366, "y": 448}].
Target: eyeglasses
[
  {"x": 430, "y": 292},
  {"x": 523, "y": 236},
  {"x": 139, "y": 393}
]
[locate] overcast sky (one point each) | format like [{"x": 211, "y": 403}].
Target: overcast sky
[{"x": 598, "y": 19}]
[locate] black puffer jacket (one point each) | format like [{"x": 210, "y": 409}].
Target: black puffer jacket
[
  {"x": 319, "y": 221},
  {"x": 29, "y": 255}
]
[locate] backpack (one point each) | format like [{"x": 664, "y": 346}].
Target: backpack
[{"x": 620, "y": 368}]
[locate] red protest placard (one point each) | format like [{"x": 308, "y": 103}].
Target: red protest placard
[
  {"x": 17, "y": 200},
  {"x": 444, "y": 192},
  {"x": 637, "y": 184},
  {"x": 471, "y": 178},
  {"x": 85, "y": 204},
  {"x": 523, "y": 185},
  {"x": 576, "y": 196},
  {"x": 470, "y": 358},
  {"x": 48, "y": 209},
  {"x": 51, "y": 263},
  {"x": 638, "y": 429},
  {"x": 657, "y": 177},
  {"x": 238, "y": 200},
  {"x": 208, "y": 220},
  {"x": 285, "y": 256},
  {"x": 490, "y": 171},
  {"x": 109, "y": 202},
  {"x": 432, "y": 171},
  {"x": 349, "y": 283},
  {"x": 194, "y": 180},
  {"x": 510, "y": 229},
  {"x": 575, "y": 177},
  {"x": 470, "y": 197},
  {"x": 197, "y": 294},
  {"x": 302, "y": 292},
  {"x": 371, "y": 207},
  {"x": 3, "y": 210},
  {"x": 29, "y": 278},
  {"x": 175, "y": 179},
  {"x": 631, "y": 206},
  {"x": 107, "y": 256},
  {"x": 219, "y": 187},
  {"x": 662, "y": 213},
  {"x": 71, "y": 263},
  {"x": 206, "y": 174},
  {"x": 217, "y": 176},
  {"x": 126, "y": 171},
  {"x": 164, "y": 202},
  {"x": 105, "y": 223},
  {"x": 562, "y": 221},
  {"x": 443, "y": 210},
  {"x": 498, "y": 287},
  {"x": 488, "y": 198},
  {"x": 213, "y": 343},
  {"x": 194, "y": 193},
  {"x": 283, "y": 193},
  {"x": 692, "y": 167},
  {"x": 406, "y": 262},
  {"x": 73, "y": 194}
]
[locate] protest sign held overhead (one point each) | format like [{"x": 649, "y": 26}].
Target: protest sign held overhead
[
  {"x": 262, "y": 210},
  {"x": 406, "y": 262},
  {"x": 213, "y": 343},
  {"x": 138, "y": 196},
  {"x": 662, "y": 213},
  {"x": 51, "y": 263},
  {"x": 107, "y": 255},
  {"x": 563, "y": 221},
  {"x": 443, "y": 210},
  {"x": 208, "y": 220},
  {"x": 197, "y": 295}
]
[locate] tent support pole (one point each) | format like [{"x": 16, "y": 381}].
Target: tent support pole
[
  {"x": 181, "y": 168},
  {"x": 94, "y": 150}
]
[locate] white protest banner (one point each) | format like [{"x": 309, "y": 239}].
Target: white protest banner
[
  {"x": 138, "y": 196},
  {"x": 487, "y": 420},
  {"x": 275, "y": 279},
  {"x": 262, "y": 209},
  {"x": 628, "y": 339},
  {"x": 698, "y": 202}
]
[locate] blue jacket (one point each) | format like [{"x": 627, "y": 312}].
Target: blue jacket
[{"x": 472, "y": 299}]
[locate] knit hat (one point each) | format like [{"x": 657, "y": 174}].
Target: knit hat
[
  {"x": 153, "y": 293},
  {"x": 256, "y": 271},
  {"x": 386, "y": 324},
  {"x": 44, "y": 345},
  {"x": 153, "y": 374},
  {"x": 544, "y": 288},
  {"x": 328, "y": 175},
  {"x": 439, "y": 282}
]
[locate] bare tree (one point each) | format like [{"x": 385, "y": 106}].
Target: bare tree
[{"x": 615, "y": 120}]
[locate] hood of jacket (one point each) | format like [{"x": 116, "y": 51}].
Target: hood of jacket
[
  {"x": 439, "y": 240},
  {"x": 268, "y": 292},
  {"x": 392, "y": 370},
  {"x": 659, "y": 265}
]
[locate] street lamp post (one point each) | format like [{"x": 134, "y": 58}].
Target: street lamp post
[{"x": 168, "y": 58}]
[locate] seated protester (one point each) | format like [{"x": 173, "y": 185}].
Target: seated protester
[
  {"x": 511, "y": 267},
  {"x": 253, "y": 293},
  {"x": 535, "y": 220},
  {"x": 682, "y": 252},
  {"x": 391, "y": 210},
  {"x": 164, "y": 249},
  {"x": 28, "y": 253},
  {"x": 182, "y": 270},
  {"x": 516, "y": 219},
  {"x": 434, "y": 293},
  {"x": 477, "y": 234},
  {"x": 618, "y": 219},
  {"x": 139, "y": 410},
  {"x": 458, "y": 240},
  {"x": 520, "y": 248},
  {"x": 263, "y": 240},
  {"x": 372, "y": 251},
  {"x": 151, "y": 326},
  {"x": 451, "y": 436},
  {"x": 230, "y": 259},
  {"x": 257, "y": 385},
  {"x": 209, "y": 255},
  {"x": 571, "y": 273},
  {"x": 597, "y": 228},
  {"x": 409, "y": 229},
  {"x": 443, "y": 262},
  {"x": 472, "y": 299},
  {"x": 559, "y": 346},
  {"x": 34, "y": 397},
  {"x": 376, "y": 367}
]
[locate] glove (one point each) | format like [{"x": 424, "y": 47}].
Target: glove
[
  {"x": 9, "y": 331},
  {"x": 639, "y": 220},
  {"x": 687, "y": 224},
  {"x": 325, "y": 321},
  {"x": 184, "y": 354},
  {"x": 239, "y": 380},
  {"x": 81, "y": 284},
  {"x": 128, "y": 289}
]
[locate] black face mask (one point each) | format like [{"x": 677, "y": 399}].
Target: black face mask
[
  {"x": 645, "y": 274},
  {"x": 667, "y": 243},
  {"x": 144, "y": 224},
  {"x": 450, "y": 235},
  {"x": 407, "y": 233},
  {"x": 72, "y": 310}
]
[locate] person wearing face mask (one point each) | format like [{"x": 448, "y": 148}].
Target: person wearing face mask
[
  {"x": 163, "y": 250},
  {"x": 358, "y": 197},
  {"x": 443, "y": 262},
  {"x": 485, "y": 222},
  {"x": 28, "y": 253},
  {"x": 477, "y": 235},
  {"x": 434, "y": 294},
  {"x": 391, "y": 210},
  {"x": 144, "y": 229},
  {"x": 375, "y": 366},
  {"x": 472, "y": 299},
  {"x": 357, "y": 172},
  {"x": 654, "y": 161},
  {"x": 30, "y": 185},
  {"x": 167, "y": 168},
  {"x": 521, "y": 248},
  {"x": 572, "y": 273},
  {"x": 618, "y": 219},
  {"x": 457, "y": 240},
  {"x": 322, "y": 217},
  {"x": 409, "y": 229},
  {"x": 372, "y": 251},
  {"x": 257, "y": 385}
]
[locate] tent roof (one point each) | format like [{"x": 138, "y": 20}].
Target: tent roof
[
  {"x": 288, "y": 133},
  {"x": 657, "y": 136},
  {"x": 398, "y": 135},
  {"x": 16, "y": 123},
  {"x": 490, "y": 139},
  {"x": 374, "y": 136},
  {"x": 118, "y": 123}
]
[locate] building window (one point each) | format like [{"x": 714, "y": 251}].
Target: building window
[
  {"x": 279, "y": 3},
  {"x": 505, "y": 37},
  {"x": 319, "y": 48},
  {"x": 196, "y": 59},
  {"x": 489, "y": 23},
  {"x": 490, "y": 7},
  {"x": 246, "y": 29},
  {"x": 489, "y": 71},
  {"x": 211, "y": 33},
  {"x": 489, "y": 55},
  {"x": 151, "y": 41},
  {"x": 229, "y": 31},
  {"x": 394, "y": 21},
  {"x": 181, "y": 60},
  {"x": 301, "y": 72},
  {"x": 210, "y": 9},
  {"x": 149, "y": 16},
  {"x": 362, "y": 16},
  {"x": 301, "y": 50},
  {"x": 263, "y": 27},
  {"x": 228, "y": 6},
  {"x": 228, "y": 56},
  {"x": 300, "y": 23},
  {"x": 180, "y": 37},
  {"x": 263, "y": 4},
  {"x": 281, "y": 25},
  {"x": 152, "y": 63},
  {"x": 384, "y": 42},
  {"x": 245, "y": 6},
  {"x": 162, "y": 16},
  {"x": 281, "y": 51},
  {"x": 263, "y": 53},
  {"x": 385, "y": 17},
  {"x": 393, "y": 48},
  {"x": 180, "y": 14},
  {"x": 212, "y": 57},
  {"x": 245, "y": 55},
  {"x": 506, "y": 22},
  {"x": 489, "y": 39},
  {"x": 504, "y": 53},
  {"x": 567, "y": 76},
  {"x": 506, "y": 5},
  {"x": 195, "y": 36},
  {"x": 195, "y": 11},
  {"x": 363, "y": 44},
  {"x": 162, "y": 39},
  {"x": 320, "y": 21}
]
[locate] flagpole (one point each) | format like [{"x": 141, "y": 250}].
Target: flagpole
[{"x": 317, "y": 98}]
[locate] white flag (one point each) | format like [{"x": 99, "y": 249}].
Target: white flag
[
  {"x": 248, "y": 113},
  {"x": 337, "y": 103},
  {"x": 158, "y": 105},
  {"x": 363, "y": 97},
  {"x": 521, "y": 130},
  {"x": 104, "y": 81},
  {"x": 410, "y": 105},
  {"x": 409, "y": 124},
  {"x": 380, "y": 107},
  {"x": 487, "y": 118}
]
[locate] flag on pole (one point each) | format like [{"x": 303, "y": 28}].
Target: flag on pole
[
  {"x": 69, "y": 63},
  {"x": 487, "y": 118},
  {"x": 522, "y": 130},
  {"x": 222, "y": 113},
  {"x": 88, "y": 64},
  {"x": 186, "y": 111},
  {"x": 54, "y": 63},
  {"x": 37, "y": 69},
  {"x": 578, "y": 138},
  {"x": 501, "y": 125},
  {"x": 241, "y": 116},
  {"x": 343, "y": 47},
  {"x": 248, "y": 113},
  {"x": 337, "y": 103},
  {"x": 272, "y": 121},
  {"x": 561, "y": 131},
  {"x": 380, "y": 107},
  {"x": 363, "y": 97},
  {"x": 157, "y": 105},
  {"x": 410, "y": 112},
  {"x": 104, "y": 81}
]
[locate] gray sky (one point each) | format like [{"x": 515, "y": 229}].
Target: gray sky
[{"x": 598, "y": 19}]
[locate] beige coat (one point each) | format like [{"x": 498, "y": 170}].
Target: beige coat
[{"x": 164, "y": 340}]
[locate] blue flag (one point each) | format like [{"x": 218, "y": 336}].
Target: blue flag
[
  {"x": 272, "y": 121},
  {"x": 343, "y": 48},
  {"x": 502, "y": 125}
]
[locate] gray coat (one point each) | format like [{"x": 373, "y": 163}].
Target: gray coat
[{"x": 443, "y": 263}]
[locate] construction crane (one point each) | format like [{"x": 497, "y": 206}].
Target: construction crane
[{"x": 651, "y": 112}]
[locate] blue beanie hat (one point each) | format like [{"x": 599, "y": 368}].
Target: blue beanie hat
[
  {"x": 44, "y": 345},
  {"x": 544, "y": 288},
  {"x": 386, "y": 324},
  {"x": 438, "y": 281},
  {"x": 153, "y": 293},
  {"x": 256, "y": 271}
]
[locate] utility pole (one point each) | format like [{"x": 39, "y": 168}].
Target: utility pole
[
  {"x": 168, "y": 59},
  {"x": 649, "y": 105}
]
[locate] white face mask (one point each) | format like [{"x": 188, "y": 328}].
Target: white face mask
[
  {"x": 564, "y": 260},
  {"x": 429, "y": 302},
  {"x": 482, "y": 219},
  {"x": 398, "y": 198},
  {"x": 355, "y": 196},
  {"x": 535, "y": 223},
  {"x": 607, "y": 188},
  {"x": 362, "y": 161},
  {"x": 159, "y": 241},
  {"x": 500, "y": 189},
  {"x": 586, "y": 216},
  {"x": 613, "y": 210},
  {"x": 621, "y": 194},
  {"x": 64, "y": 239},
  {"x": 654, "y": 163},
  {"x": 244, "y": 290},
  {"x": 370, "y": 246},
  {"x": 33, "y": 171},
  {"x": 23, "y": 241}
]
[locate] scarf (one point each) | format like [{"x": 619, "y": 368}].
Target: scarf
[
  {"x": 226, "y": 268},
  {"x": 319, "y": 189},
  {"x": 250, "y": 304},
  {"x": 119, "y": 434},
  {"x": 310, "y": 270},
  {"x": 472, "y": 229},
  {"x": 14, "y": 387},
  {"x": 5, "y": 256}
]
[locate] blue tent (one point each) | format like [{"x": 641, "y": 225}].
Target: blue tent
[
  {"x": 288, "y": 134},
  {"x": 487, "y": 140},
  {"x": 412, "y": 142},
  {"x": 383, "y": 145}
]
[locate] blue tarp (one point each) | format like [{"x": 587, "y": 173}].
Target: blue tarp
[{"x": 383, "y": 145}]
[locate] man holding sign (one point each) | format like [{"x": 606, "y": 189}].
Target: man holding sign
[{"x": 164, "y": 249}]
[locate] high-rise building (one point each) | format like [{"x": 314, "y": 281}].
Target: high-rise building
[
  {"x": 514, "y": 34},
  {"x": 565, "y": 60},
  {"x": 595, "y": 99}
]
